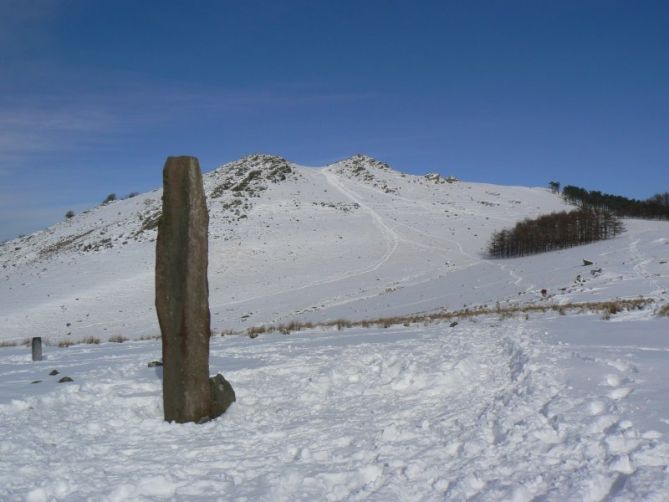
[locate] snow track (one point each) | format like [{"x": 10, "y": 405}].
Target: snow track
[
  {"x": 640, "y": 266},
  {"x": 389, "y": 235}
]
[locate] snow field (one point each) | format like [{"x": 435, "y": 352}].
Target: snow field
[{"x": 481, "y": 411}]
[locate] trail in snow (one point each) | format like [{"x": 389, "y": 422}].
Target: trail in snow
[
  {"x": 389, "y": 235},
  {"x": 639, "y": 267},
  {"x": 475, "y": 260},
  {"x": 430, "y": 209},
  {"x": 437, "y": 239}
]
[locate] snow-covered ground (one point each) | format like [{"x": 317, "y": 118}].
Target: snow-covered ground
[{"x": 548, "y": 407}]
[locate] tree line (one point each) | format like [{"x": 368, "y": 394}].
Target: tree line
[
  {"x": 555, "y": 231},
  {"x": 655, "y": 207}
]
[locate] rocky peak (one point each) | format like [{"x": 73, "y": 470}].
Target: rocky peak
[
  {"x": 361, "y": 161},
  {"x": 368, "y": 170},
  {"x": 250, "y": 174}
]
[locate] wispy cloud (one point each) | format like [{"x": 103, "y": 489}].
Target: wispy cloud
[{"x": 62, "y": 121}]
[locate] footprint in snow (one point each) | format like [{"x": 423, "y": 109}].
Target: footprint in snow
[
  {"x": 612, "y": 380},
  {"x": 597, "y": 407},
  {"x": 620, "y": 393}
]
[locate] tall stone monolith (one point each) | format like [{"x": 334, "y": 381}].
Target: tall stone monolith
[{"x": 182, "y": 295}]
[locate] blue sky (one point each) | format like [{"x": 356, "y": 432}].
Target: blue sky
[{"x": 95, "y": 94}]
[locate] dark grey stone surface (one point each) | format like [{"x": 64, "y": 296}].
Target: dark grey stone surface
[
  {"x": 182, "y": 292},
  {"x": 222, "y": 395}
]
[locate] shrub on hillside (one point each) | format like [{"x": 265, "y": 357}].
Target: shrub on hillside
[{"x": 110, "y": 198}]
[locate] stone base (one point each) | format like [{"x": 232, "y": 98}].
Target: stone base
[{"x": 222, "y": 395}]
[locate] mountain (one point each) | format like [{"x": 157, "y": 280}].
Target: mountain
[{"x": 355, "y": 239}]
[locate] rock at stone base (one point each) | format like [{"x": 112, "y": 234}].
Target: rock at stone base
[
  {"x": 53, "y": 372},
  {"x": 153, "y": 364},
  {"x": 65, "y": 379},
  {"x": 222, "y": 395}
]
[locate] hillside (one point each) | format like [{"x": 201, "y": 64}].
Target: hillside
[{"x": 354, "y": 239}]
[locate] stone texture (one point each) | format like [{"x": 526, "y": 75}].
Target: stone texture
[
  {"x": 37, "y": 348},
  {"x": 182, "y": 292},
  {"x": 222, "y": 395}
]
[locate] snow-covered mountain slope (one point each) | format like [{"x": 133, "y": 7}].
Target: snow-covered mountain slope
[{"x": 355, "y": 239}]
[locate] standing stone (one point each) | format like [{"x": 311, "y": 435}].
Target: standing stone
[
  {"x": 182, "y": 292},
  {"x": 37, "y": 348}
]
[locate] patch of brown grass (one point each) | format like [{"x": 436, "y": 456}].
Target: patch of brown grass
[
  {"x": 286, "y": 329},
  {"x": 118, "y": 339},
  {"x": 606, "y": 308},
  {"x": 340, "y": 324},
  {"x": 149, "y": 337},
  {"x": 62, "y": 245},
  {"x": 254, "y": 331}
]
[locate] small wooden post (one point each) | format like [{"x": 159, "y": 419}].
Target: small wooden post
[{"x": 37, "y": 348}]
